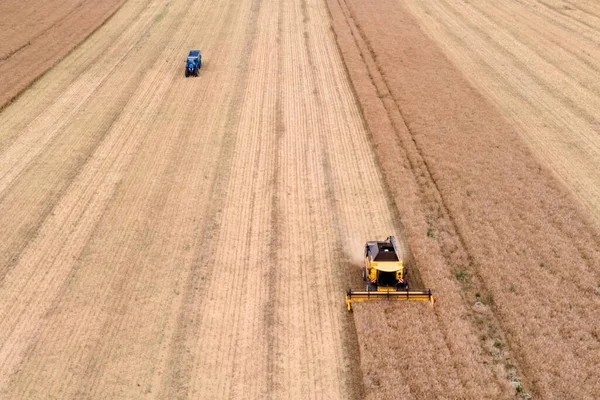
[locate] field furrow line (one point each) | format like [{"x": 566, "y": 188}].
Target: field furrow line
[
  {"x": 288, "y": 357},
  {"x": 298, "y": 123},
  {"x": 275, "y": 257},
  {"x": 318, "y": 371},
  {"x": 246, "y": 188}
]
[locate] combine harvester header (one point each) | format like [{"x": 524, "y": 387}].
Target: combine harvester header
[
  {"x": 386, "y": 276},
  {"x": 406, "y": 295}
]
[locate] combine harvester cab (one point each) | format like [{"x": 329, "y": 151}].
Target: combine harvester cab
[
  {"x": 386, "y": 276},
  {"x": 193, "y": 63}
]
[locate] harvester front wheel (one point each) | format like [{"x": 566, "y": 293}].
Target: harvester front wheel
[{"x": 364, "y": 273}]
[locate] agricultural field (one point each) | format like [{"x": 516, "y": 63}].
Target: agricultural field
[
  {"x": 511, "y": 251},
  {"x": 35, "y": 35},
  {"x": 537, "y": 61},
  {"x": 172, "y": 237}
]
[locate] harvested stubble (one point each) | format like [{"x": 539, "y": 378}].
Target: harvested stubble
[
  {"x": 457, "y": 169},
  {"x": 35, "y": 35}
]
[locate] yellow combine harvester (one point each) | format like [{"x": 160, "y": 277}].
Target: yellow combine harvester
[{"x": 386, "y": 276}]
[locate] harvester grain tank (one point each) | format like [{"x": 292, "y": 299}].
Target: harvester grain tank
[
  {"x": 193, "y": 63},
  {"x": 386, "y": 276}
]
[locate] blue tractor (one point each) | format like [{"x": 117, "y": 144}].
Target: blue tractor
[{"x": 193, "y": 63}]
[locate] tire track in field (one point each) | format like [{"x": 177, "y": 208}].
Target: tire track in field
[
  {"x": 298, "y": 343},
  {"x": 269, "y": 312},
  {"x": 296, "y": 255}
]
